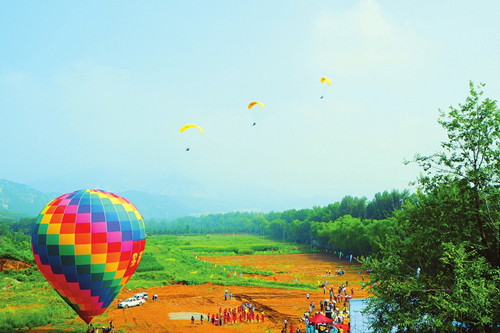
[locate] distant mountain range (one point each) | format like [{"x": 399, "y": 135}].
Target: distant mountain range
[
  {"x": 23, "y": 199},
  {"x": 166, "y": 198}
]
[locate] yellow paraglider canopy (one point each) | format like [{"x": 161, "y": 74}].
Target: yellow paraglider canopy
[
  {"x": 185, "y": 127},
  {"x": 250, "y": 106},
  {"x": 328, "y": 81}
]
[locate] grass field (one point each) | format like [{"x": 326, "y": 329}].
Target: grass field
[
  {"x": 171, "y": 259},
  {"x": 29, "y": 301}
]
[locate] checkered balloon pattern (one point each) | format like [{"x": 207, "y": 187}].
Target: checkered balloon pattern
[{"x": 88, "y": 244}]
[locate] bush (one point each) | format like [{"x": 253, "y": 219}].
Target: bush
[
  {"x": 149, "y": 264},
  {"x": 28, "y": 275},
  {"x": 263, "y": 247}
]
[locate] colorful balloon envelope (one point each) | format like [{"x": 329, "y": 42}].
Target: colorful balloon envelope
[{"x": 88, "y": 245}]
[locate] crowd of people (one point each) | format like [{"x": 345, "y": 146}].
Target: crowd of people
[
  {"x": 336, "y": 309},
  {"x": 244, "y": 313}
]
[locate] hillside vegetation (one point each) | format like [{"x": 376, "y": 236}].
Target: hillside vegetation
[{"x": 354, "y": 225}]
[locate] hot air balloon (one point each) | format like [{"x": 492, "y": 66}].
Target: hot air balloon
[
  {"x": 88, "y": 244},
  {"x": 327, "y": 80}
]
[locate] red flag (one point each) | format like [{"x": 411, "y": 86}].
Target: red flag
[{"x": 274, "y": 277}]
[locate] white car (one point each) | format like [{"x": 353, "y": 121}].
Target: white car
[
  {"x": 141, "y": 295},
  {"x": 129, "y": 302}
]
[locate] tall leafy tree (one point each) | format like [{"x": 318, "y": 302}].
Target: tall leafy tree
[
  {"x": 441, "y": 271},
  {"x": 383, "y": 204},
  {"x": 471, "y": 157}
]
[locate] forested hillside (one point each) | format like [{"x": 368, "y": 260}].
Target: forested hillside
[{"x": 353, "y": 225}]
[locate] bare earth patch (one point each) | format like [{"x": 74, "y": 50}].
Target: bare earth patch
[{"x": 177, "y": 303}]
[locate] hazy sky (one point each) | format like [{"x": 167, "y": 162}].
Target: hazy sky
[{"x": 88, "y": 84}]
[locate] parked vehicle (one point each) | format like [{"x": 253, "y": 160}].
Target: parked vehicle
[
  {"x": 141, "y": 295},
  {"x": 129, "y": 302}
]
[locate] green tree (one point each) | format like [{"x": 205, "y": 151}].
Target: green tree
[
  {"x": 331, "y": 212},
  {"x": 377, "y": 232},
  {"x": 383, "y": 204},
  {"x": 353, "y": 206},
  {"x": 440, "y": 271},
  {"x": 471, "y": 157}
]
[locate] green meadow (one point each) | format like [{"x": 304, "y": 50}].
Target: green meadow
[
  {"x": 29, "y": 301},
  {"x": 171, "y": 259}
]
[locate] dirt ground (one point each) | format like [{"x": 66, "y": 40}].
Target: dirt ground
[
  {"x": 13, "y": 265},
  {"x": 278, "y": 304}
]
